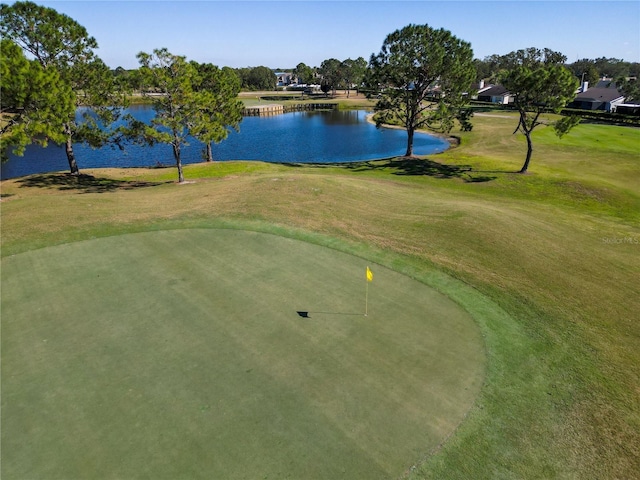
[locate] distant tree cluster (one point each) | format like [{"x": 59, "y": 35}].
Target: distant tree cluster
[
  {"x": 304, "y": 74},
  {"x": 602, "y": 67},
  {"x": 332, "y": 74},
  {"x": 256, "y": 78},
  {"x": 345, "y": 74}
]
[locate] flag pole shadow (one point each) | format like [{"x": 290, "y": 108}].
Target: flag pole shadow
[{"x": 307, "y": 314}]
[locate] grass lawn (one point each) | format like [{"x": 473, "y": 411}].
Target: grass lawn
[
  {"x": 183, "y": 354},
  {"x": 546, "y": 264}
]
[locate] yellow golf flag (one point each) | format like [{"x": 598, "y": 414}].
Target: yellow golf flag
[{"x": 369, "y": 275}]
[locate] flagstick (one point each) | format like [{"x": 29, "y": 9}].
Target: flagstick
[{"x": 366, "y": 298}]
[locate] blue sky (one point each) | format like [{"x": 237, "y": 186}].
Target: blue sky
[{"x": 281, "y": 34}]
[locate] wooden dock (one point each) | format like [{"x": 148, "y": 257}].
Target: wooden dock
[{"x": 277, "y": 109}]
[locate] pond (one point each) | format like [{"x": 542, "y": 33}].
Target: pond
[{"x": 297, "y": 137}]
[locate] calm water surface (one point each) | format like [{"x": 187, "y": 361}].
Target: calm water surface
[{"x": 298, "y": 137}]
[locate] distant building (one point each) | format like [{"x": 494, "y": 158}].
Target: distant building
[
  {"x": 628, "y": 108},
  {"x": 495, "y": 94},
  {"x": 604, "y": 96},
  {"x": 481, "y": 87},
  {"x": 284, "y": 79}
]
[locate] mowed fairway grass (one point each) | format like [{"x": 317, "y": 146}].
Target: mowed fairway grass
[{"x": 175, "y": 304}]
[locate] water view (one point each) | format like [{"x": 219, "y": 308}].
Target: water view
[{"x": 297, "y": 137}]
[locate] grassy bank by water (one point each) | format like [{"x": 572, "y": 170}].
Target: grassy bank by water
[
  {"x": 547, "y": 263},
  {"x": 352, "y": 100}
]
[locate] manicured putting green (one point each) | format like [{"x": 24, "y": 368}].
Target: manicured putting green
[{"x": 181, "y": 354}]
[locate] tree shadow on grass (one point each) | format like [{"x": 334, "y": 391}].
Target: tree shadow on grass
[
  {"x": 413, "y": 166},
  {"x": 83, "y": 183},
  {"x": 410, "y": 166}
]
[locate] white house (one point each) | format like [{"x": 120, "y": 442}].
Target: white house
[
  {"x": 284, "y": 78},
  {"x": 495, "y": 94}
]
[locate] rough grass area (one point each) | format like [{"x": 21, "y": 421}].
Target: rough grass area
[{"x": 557, "y": 249}]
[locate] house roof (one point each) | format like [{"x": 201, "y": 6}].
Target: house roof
[
  {"x": 599, "y": 95},
  {"x": 481, "y": 87},
  {"x": 494, "y": 91}
]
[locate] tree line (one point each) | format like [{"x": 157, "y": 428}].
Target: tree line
[
  {"x": 332, "y": 74},
  {"x": 422, "y": 78}
]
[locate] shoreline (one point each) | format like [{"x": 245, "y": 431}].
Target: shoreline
[{"x": 453, "y": 140}]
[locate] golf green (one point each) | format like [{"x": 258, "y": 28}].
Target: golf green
[{"x": 225, "y": 354}]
